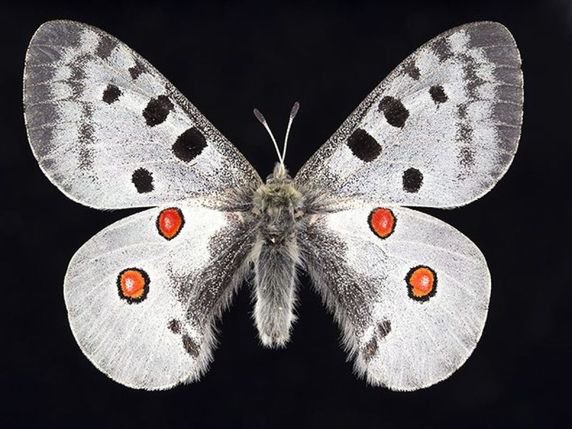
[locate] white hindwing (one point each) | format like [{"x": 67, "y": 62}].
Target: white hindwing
[
  {"x": 111, "y": 132},
  {"x": 410, "y": 291},
  {"x": 143, "y": 294},
  {"x": 439, "y": 131}
]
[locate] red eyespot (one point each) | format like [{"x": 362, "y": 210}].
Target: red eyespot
[
  {"x": 382, "y": 222},
  {"x": 170, "y": 222},
  {"x": 133, "y": 284},
  {"x": 421, "y": 282}
]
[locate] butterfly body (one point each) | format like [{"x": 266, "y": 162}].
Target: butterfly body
[
  {"x": 278, "y": 207},
  {"x": 409, "y": 292}
]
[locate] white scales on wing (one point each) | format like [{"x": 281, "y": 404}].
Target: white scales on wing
[
  {"x": 409, "y": 292},
  {"x": 112, "y": 132}
]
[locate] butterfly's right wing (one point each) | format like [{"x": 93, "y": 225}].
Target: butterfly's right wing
[
  {"x": 111, "y": 132},
  {"x": 143, "y": 294},
  {"x": 439, "y": 131},
  {"x": 410, "y": 292}
]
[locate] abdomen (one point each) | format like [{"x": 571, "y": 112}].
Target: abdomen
[{"x": 275, "y": 284}]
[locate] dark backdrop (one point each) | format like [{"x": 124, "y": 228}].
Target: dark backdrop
[{"x": 227, "y": 59}]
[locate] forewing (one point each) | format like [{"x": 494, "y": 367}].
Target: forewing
[
  {"x": 439, "y": 131},
  {"x": 410, "y": 292},
  {"x": 143, "y": 294},
  {"x": 111, "y": 132}
]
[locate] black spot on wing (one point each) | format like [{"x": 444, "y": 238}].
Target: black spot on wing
[
  {"x": 143, "y": 180},
  {"x": 370, "y": 349},
  {"x": 412, "y": 180},
  {"x": 85, "y": 158},
  {"x": 174, "y": 326},
  {"x": 466, "y": 154},
  {"x": 442, "y": 49},
  {"x": 105, "y": 47},
  {"x": 86, "y": 138},
  {"x": 472, "y": 79},
  {"x": 438, "y": 94},
  {"x": 412, "y": 70},
  {"x": 189, "y": 145},
  {"x": 465, "y": 133},
  {"x": 190, "y": 346},
  {"x": 77, "y": 78},
  {"x": 86, "y": 133},
  {"x": 467, "y": 157},
  {"x": 157, "y": 110},
  {"x": 383, "y": 328},
  {"x": 136, "y": 70},
  {"x": 364, "y": 146},
  {"x": 111, "y": 94},
  {"x": 395, "y": 112},
  {"x": 463, "y": 110}
]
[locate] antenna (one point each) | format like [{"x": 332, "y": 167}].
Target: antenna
[
  {"x": 293, "y": 113},
  {"x": 262, "y": 120}
]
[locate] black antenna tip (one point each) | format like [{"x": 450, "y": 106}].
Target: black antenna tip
[
  {"x": 259, "y": 116},
  {"x": 294, "y": 110}
]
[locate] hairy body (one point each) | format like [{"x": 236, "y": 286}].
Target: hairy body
[{"x": 278, "y": 206}]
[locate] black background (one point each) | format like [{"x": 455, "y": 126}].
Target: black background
[{"x": 228, "y": 58}]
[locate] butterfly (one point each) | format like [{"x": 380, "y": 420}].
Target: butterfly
[{"x": 409, "y": 292}]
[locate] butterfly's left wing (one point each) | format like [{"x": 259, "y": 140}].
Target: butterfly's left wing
[
  {"x": 410, "y": 292},
  {"x": 110, "y": 131},
  {"x": 439, "y": 131},
  {"x": 143, "y": 294}
]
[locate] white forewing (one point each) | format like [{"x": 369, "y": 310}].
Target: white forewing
[
  {"x": 163, "y": 337},
  {"x": 401, "y": 340},
  {"x": 439, "y": 131},
  {"x": 111, "y": 132}
]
